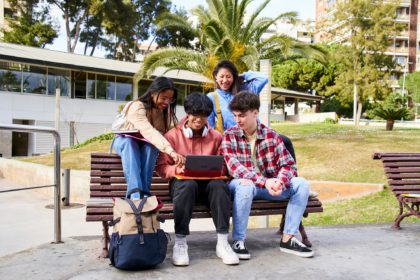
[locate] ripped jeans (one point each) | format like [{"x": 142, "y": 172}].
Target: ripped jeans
[{"x": 243, "y": 195}]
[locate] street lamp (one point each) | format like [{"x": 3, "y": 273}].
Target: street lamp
[{"x": 404, "y": 74}]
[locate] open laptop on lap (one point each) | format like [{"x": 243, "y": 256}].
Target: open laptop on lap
[{"x": 199, "y": 166}]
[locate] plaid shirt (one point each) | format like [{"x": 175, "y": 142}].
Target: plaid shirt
[{"x": 273, "y": 159}]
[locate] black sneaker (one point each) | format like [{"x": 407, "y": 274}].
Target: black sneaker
[
  {"x": 241, "y": 251},
  {"x": 295, "y": 247}
]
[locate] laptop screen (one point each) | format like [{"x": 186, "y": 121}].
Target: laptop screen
[{"x": 203, "y": 166}]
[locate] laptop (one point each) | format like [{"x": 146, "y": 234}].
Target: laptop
[{"x": 203, "y": 166}]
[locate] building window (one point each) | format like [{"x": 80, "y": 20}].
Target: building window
[
  {"x": 58, "y": 78},
  {"x": 8, "y": 13},
  {"x": 182, "y": 93},
  {"x": 79, "y": 84},
  {"x": 34, "y": 79},
  {"x": 400, "y": 60},
  {"x": 124, "y": 88},
  {"x": 91, "y": 85},
  {"x": 105, "y": 87},
  {"x": 143, "y": 86},
  {"x": 10, "y": 77}
]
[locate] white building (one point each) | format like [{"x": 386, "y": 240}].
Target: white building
[{"x": 92, "y": 90}]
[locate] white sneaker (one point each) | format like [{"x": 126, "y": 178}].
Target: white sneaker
[
  {"x": 225, "y": 252},
  {"x": 180, "y": 255}
]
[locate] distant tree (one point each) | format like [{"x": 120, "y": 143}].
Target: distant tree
[
  {"x": 412, "y": 85},
  {"x": 226, "y": 30},
  {"x": 105, "y": 22},
  {"x": 131, "y": 23},
  {"x": 303, "y": 75},
  {"x": 74, "y": 12},
  {"x": 32, "y": 25},
  {"x": 391, "y": 109},
  {"x": 170, "y": 36},
  {"x": 365, "y": 26}
]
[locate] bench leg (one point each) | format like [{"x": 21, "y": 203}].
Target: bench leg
[
  {"x": 105, "y": 239},
  {"x": 281, "y": 225},
  {"x": 305, "y": 239}
]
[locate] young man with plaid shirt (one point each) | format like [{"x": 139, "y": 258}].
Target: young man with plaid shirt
[{"x": 261, "y": 168}]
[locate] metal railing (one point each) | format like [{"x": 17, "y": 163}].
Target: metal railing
[{"x": 57, "y": 168}]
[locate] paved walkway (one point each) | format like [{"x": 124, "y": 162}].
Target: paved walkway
[
  {"x": 24, "y": 217},
  {"x": 343, "y": 252},
  {"x": 357, "y": 252}
]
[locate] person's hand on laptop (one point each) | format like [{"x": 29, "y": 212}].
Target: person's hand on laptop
[
  {"x": 179, "y": 159},
  {"x": 180, "y": 169}
]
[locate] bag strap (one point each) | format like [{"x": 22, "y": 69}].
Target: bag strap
[
  {"x": 219, "y": 125},
  {"x": 137, "y": 212},
  {"x": 124, "y": 110},
  {"x": 137, "y": 190}
]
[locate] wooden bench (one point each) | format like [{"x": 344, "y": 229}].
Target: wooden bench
[
  {"x": 403, "y": 173},
  {"x": 107, "y": 181}
]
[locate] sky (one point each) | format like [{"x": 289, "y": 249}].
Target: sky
[{"x": 304, "y": 8}]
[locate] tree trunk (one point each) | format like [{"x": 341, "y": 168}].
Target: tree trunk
[
  {"x": 389, "y": 124},
  {"x": 67, "y": 20},
  {"x": 355, "y": 119},
  {"x": 359, "y": 111},
  {"x": 78, "y": 27},
  {"x": 95, "y": 41}
]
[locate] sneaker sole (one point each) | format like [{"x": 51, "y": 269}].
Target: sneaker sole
[
  {"x": 300, "y": 254},
  {"x": 244, "y": 256},
  {"x": 180, "y": 263},
  {"x": 230, "y": 262}
]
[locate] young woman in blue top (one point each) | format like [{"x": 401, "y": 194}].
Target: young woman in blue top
[{"x": 228, "y": 83}]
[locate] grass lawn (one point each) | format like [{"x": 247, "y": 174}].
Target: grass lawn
[{"x": 324, "y": 152}]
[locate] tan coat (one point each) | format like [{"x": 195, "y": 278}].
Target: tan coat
[{"x": 136, "y": 118}]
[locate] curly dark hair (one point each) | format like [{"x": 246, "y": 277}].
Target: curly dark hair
[
  {"x": 198, "y": 104},
  {"x": 245, "y": 101}
]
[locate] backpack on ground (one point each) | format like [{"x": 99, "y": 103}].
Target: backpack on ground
[{"x": 137, "y": 242}]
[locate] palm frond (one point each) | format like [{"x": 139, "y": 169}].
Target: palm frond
[{"x": 173, "y": 58}]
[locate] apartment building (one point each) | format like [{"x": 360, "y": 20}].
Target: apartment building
[
  {"x": 404, "y": 47},
  {"x": 302, "y": 30}
]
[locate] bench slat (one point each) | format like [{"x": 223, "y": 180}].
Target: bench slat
[
  {"x": 402, "y": 170},
  {"x": 382, "y": 155},
  {"x": 403, "y": 164},
  {"x": 106, "y": 160},
  {"x": 400, "y": 159},
  {"x": 103, "y": 155},
  {"x": 404, "y": 182},
  {"x": 106, "y": 167},
  {"x": 105, "y": 187},
  {"x": 403, "y": 176},
  {"x": 206, "y": 214}
]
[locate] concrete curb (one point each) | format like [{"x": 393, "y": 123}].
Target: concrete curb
[{"x": 28, "y": 174}]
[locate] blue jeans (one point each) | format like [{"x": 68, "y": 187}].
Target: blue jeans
[
  {"x": 242, "y": 195},
  {"x": 138, "y": 161}
]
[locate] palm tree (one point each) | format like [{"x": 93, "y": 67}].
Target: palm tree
[
  {"x": 391, "y": 114},
  {"x": 226, "y": 32}
]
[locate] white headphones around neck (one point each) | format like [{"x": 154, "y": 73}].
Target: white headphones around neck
[{"x": 189, "y": 133}]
